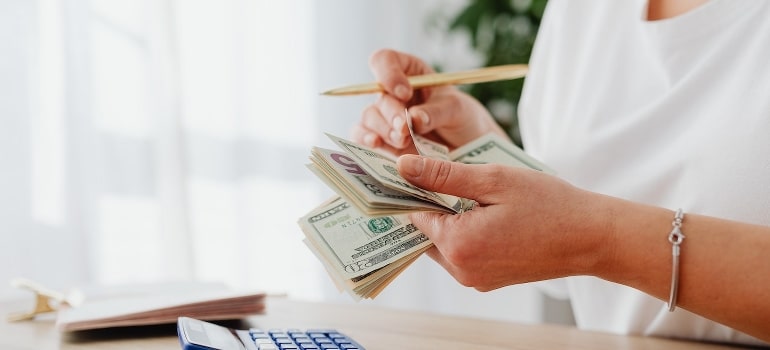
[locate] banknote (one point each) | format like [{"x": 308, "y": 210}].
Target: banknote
[
  {"x": 370, "y": 285},
  {"x": 374, "y": 172},
  {"x": 357, "y": 244},
  {"x": 341, "y": 173},
  {"x": 490, "y": 148},
  {"x": 383, "y": 168},
  {"x": 363, "y": 237},
  {"x": 495, "y": 149},
  {"x": 424, "y": 146}
]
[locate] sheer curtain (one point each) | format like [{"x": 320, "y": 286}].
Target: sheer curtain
[{"x": 165, "y": 140}]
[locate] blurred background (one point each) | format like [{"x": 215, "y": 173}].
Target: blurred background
[{"x": 163, "y": 140}]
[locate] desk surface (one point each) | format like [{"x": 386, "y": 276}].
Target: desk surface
[{"x": 373, "y": 327}]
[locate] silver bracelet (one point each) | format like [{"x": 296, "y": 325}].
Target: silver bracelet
[{"x": 675, "y": 237}]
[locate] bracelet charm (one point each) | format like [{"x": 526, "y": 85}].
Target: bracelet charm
[{"x": 675, "y": 237}]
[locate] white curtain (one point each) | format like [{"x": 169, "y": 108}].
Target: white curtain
[{"x": 161, "y": 140}]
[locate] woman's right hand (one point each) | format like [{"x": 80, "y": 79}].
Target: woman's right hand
[{"x": 443, "y": 114}]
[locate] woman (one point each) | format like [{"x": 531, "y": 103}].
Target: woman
[{"x": 641, "y": 108}]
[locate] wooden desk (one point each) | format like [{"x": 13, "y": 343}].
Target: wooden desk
[{"x": 373, "y": 327}]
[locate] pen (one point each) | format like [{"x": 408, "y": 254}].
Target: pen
[{"x": 481, "y": 75}]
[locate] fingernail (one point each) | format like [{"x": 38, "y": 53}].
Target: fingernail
[
  {"x": 398, "y": 124},
  {"x": 402, "y": 92},
  {"x": 424, "y": 118},
  {"x": 397, "y": 138},
  {"x": 369, "y": 139},
  {"x": 411, "y": 165}
]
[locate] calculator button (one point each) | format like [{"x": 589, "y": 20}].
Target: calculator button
[
  {"x": 283, "y": 340},
  {"x": 296, "y": 339}
]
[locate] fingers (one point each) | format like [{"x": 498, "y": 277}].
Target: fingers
[
  {"x": 431, "y": 224},
  {"x": 455, "y": 116},
  {"x": 383, "y": 123},
  {"x": 443, "y": 111},
  {"x": 391, "y": 69},
  {"x": 483, "y": 183},
  {"x": 435, "y": 254},
  {"x": 441, "y": 231},
  {"x": 366, "y": 137},
  {"x": 393, "y": 112}
]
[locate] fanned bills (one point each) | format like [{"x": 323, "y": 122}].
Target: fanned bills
[
  {"x": 359, "y": 251},
  {"x": 364, "y": 237},
  {"x": 343, "y": 174}
]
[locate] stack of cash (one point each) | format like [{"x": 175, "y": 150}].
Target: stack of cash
[{"x": 364, "y": 237}]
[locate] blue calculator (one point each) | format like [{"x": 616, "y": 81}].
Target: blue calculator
[{"x": 201, "y": 335}]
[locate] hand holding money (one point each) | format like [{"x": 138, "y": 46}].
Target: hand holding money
[
  {"x": 363, "y": 237},
  {"x": 369, "y": 179}
]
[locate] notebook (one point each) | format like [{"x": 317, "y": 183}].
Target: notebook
[{"x": 156, "y": 303}]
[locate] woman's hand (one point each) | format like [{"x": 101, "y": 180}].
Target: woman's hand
[
  {"x": 530, "y": 226},
  {"x": 443, "y": 114},
  {"x": 527, "y": 226}
]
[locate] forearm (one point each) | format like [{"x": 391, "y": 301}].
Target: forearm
[{"x": 723, "y": 273}]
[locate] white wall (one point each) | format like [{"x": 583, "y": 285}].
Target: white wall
[
  {"x": 22, "y": 236},
  {"x": 347, "y": 32}
]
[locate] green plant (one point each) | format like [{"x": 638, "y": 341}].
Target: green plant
[{"x": 502, "y": 32}]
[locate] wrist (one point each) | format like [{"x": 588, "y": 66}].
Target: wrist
[
  {"x": 634, "y": 250},
  {"x": 600, "y": 231}
]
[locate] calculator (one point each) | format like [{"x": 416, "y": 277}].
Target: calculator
[{"x": 195, "y": 334}]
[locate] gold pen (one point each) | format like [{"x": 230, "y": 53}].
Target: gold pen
[{"x": 481, "y": 75}]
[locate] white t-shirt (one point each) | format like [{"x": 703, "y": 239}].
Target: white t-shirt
[{"x": 674, "y": 113}]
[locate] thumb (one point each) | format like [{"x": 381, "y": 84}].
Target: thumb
[{"x": 463, "y": 180}]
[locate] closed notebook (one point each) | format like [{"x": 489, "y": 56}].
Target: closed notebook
[{"x": 157, "y": 303}]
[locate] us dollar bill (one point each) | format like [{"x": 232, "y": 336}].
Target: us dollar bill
[
  {"x": 383, "y": 168},
  {"x": 341, "y": 173},
  {"x": 489, "y": 148},
  {"x": 353, "y": 244},
  {"x": 424, "y": 146},
  {"x": 495, "y": 149},
  {"x": 370, "y": 285},
  {"x": 363, "y": 237}
]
